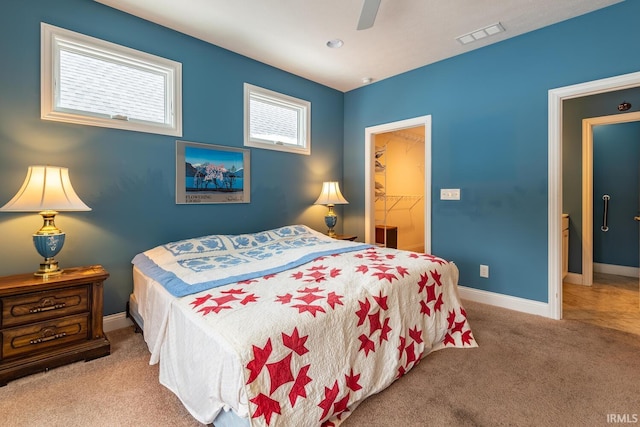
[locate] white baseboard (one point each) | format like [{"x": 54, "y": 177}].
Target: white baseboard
[
  {"x": 505, "y": 301},
  {"x": 115, "y": 321},
  {"x": 619, "y": 270}
]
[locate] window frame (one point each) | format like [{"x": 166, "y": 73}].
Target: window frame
[
  {"x": 304, "y": 120},
  {"x": 54, "y": 39}
]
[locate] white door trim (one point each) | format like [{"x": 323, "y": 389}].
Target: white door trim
[
  {"x": 587, "y": 185},
  {"x": 369, "y": 168},
  {"x": 556, "y": 96}
]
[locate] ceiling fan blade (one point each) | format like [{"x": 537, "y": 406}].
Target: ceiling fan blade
[{"x": 368, "y": 14}]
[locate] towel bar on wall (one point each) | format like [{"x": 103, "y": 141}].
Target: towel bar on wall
[{"x": 606, "y": 199}]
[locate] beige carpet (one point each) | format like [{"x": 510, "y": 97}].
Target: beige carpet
[{"x": 528, "y": 371}]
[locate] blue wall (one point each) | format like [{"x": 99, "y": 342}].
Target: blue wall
[
  {"x": 128, "y": 178},
  {"x": 616, "y": 161},
  {"x": 490, "y": 138},
  {"x": 489, "y": 110}
]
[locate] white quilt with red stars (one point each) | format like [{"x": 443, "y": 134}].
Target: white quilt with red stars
[{"x": 305, "y": 346}]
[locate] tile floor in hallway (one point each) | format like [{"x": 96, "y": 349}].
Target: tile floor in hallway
[{"x": 612, "y": 302}]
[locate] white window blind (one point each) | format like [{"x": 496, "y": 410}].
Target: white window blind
[
  {"x": 93, "y": 82},
  {"x": 275, "y": 121}
]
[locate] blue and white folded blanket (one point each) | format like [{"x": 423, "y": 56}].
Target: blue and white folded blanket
[{"x": 193, "y": 265}]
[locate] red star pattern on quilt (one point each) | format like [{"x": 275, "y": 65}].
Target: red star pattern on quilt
[
  {"x": 260, "y": 356},
  {"x": 373, "y": 254},
  {"x": 313, "y": 300},
  {"x": 298, "y": 389},
  {"x": 378, "y": 268},
  {"x": 266, "y": 407},
  {"x": 280, "y": 373},
  {"x": 295, "y": 342},
  {"x": 409, "y": 353},
  {"x": 330, "y": 395},
  {"x": 332, "y": 406},
  {"x": 374, "y": 316},
  {"x": 458, "y": 328},
  {"x": 316, "y": 274},
  {"x": 430, "y": 284},
  {"x": 226, "y": 300},
  {"x": 428, "y": 257}
]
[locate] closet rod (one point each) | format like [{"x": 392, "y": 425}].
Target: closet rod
[{"x": 408, "y": 136}]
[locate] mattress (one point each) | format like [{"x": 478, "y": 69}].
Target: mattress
[{"x": 133, "y": 312}]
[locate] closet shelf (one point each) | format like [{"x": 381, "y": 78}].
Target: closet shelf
[{"x": 397, "y": 198}]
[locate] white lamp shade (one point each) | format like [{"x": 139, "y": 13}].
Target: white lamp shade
[
  {"x": 46, "y": 188},
  {"x": 331, "y": 195}
]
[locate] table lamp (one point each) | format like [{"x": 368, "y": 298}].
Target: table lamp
[
  {"x": 331, "y": 196},
  {"x": 47, "y": 190}
]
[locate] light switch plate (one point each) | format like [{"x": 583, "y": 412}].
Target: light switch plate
[{"x": 449, "y": 194}]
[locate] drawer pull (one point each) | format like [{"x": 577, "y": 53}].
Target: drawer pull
[
  {"x": 48, "y": 337},
  {"x": 47, "y": 305}
]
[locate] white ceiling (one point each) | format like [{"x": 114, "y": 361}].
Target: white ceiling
[{"x": 407, "y": 34}]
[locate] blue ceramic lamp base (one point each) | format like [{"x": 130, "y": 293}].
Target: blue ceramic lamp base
[
  {"x": 48, "y": 242},
  {"x": 48, "y": 246},
  {"x": 331, "y": 219}
]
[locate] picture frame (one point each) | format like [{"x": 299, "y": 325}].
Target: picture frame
[{"x": 207, "y": 173}]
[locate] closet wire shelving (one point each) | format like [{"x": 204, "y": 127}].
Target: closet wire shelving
[{"x": 391, "y": 201}]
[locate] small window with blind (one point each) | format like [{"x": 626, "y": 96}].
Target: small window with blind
[
  {"x": 93, "y": 82},
  {"x": 275, "y": 121}
]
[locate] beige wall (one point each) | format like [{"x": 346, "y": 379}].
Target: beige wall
[{"x": 403, "y": 181}]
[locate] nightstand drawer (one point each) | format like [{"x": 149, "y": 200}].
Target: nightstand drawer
[
  {"x": 38, "y": 306},
  {"x": 44, "y": 335}
]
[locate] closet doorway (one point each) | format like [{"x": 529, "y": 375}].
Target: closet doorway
[{"x": 398, "y": 184}]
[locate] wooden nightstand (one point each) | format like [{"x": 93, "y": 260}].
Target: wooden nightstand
[
  {"x": 345, "y": 237},
  {"x": 49, "y": 322}
]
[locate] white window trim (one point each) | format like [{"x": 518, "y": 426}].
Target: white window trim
[
  {"x": 304, "y": 125},
  {"x": 53, "y": 37}
]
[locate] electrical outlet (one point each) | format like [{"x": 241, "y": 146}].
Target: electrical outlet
[
  {"x": 449, "y": 194},
  {"x": 484, "y": 270}
]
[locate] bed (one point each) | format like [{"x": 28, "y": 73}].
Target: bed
[{"x": 289, "y": 327}]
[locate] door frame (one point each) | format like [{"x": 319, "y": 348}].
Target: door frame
[
  {"x": 587, "y": 185},
  {"x": 554, "y": 213},
  {"x": 369, "y": 174}
]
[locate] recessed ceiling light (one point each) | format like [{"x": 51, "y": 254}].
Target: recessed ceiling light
[
  {"x": 335, "y": 43},
  {"x": 487, "y": 31}
]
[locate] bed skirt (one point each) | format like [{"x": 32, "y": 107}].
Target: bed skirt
[{"x": 224, "y": 418}]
